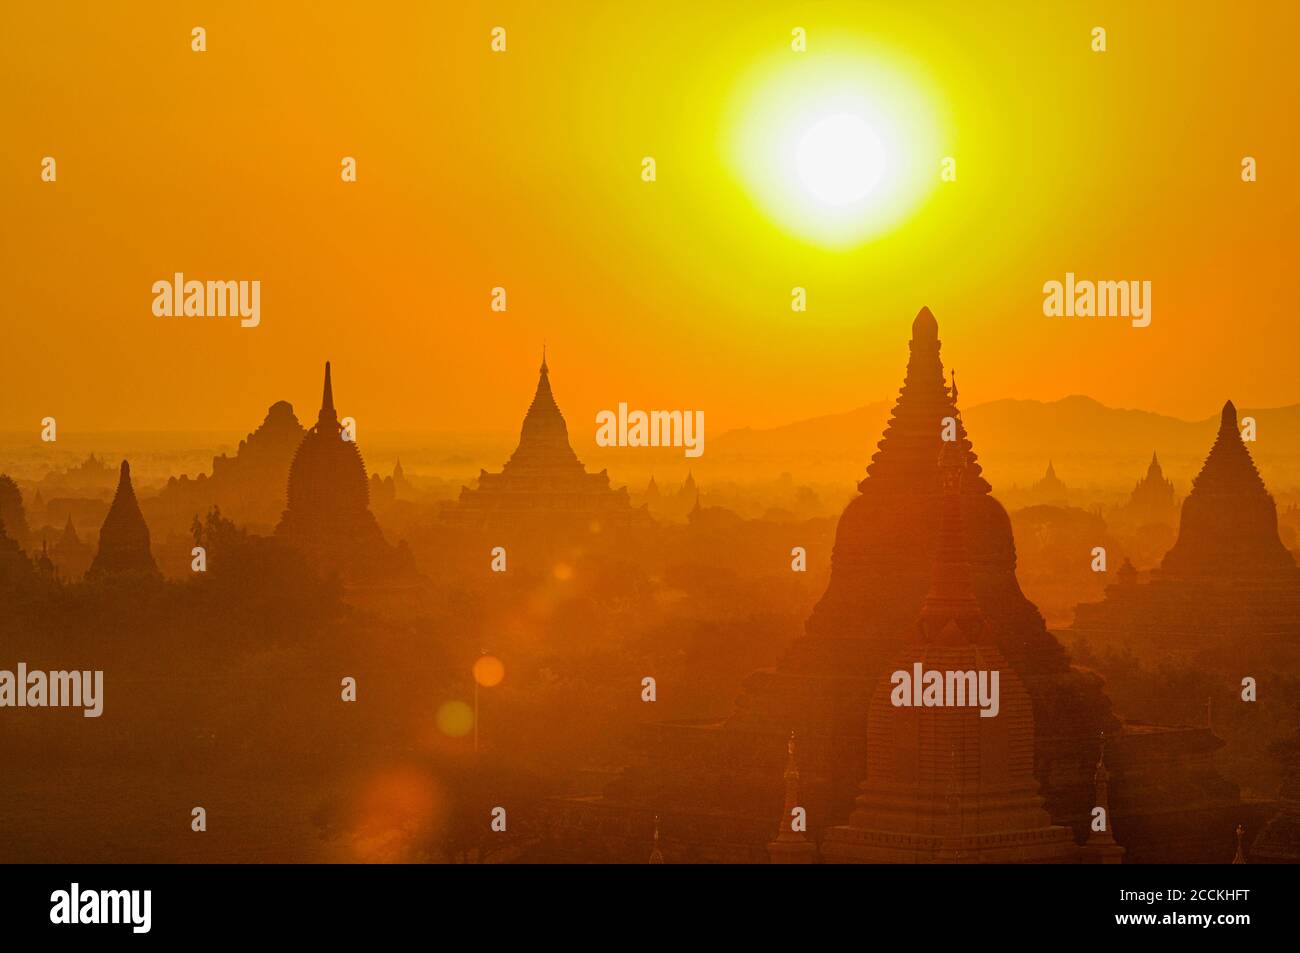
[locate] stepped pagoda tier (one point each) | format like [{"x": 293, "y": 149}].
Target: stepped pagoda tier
[
  {"x": 1227, "y": 581},
  {"x": 1152, "y": 500},
  {"x": 543, "y": 481},
  {"x": 124, "y": 537},
  {"x": 720, "y": 782},
  {"x": 328, "y": 515},
  {"x": 946, "y": 784}
]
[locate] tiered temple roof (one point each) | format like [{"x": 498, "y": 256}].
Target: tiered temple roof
[
  {"x": 543, "y": 481},
  {"x": 124, "y": 537}
]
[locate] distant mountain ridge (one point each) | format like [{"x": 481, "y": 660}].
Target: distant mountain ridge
[{"x": 1016, "y": 438}]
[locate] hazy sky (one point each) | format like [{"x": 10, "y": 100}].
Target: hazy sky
[{"x": 523, "y": 169}]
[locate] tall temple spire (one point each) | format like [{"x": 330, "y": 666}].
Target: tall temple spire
[
  {"x": 544, "y": 434},
  {"x": 124, "y": 537},
  {"x": 328, "y": 415},
  {"x": 791, "y": 846},
  {"x": 1101, "y": 847},
  {"x": 925, "y": 401}
]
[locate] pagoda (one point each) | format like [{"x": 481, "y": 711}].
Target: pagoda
[
  {"x": 543, "y": 482},
  {"x": 1152, "y": 500},
  {"x": 946, "y": 784},
  {"x": 720, "y": 782},
  {"x": 251, "y": 484},
  {"x": 1050, "y": 490},
  {"x": 124, "y": 537},
  {"x": 791, "y": 845},
  {"x": 70, "y": 555},
  {"x": 1228, "y": 582},
  {"x": 880, "y": 573},
  {"x": 328, "y": 515}
]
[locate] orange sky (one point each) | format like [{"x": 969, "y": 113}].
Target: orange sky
[{"x": 522, "y": 169}]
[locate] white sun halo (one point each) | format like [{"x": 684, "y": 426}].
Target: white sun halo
[{"x": 840, "y": 159}]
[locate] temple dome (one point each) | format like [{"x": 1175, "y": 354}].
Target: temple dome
[
  {"x": 328, "y": 515},
  {"x": 327, "y": 478}
]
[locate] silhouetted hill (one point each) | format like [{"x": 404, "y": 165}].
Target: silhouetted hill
[{"x": 1091, "y": 444}]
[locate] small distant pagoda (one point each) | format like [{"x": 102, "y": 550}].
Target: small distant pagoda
[
  {"x": 328, "y": 515},
  {"x": 1228, "y": 580},
  {"x": 791, "y": 845},
  {"x": 945, "y": 784},
  {"x": 1152, "y": 500},
  {"x": 70, "y": 555},
  {"x": 544, "y": 482},
  {"x": 1050, "y": 490},
  {"x": 124, "y": 537}
]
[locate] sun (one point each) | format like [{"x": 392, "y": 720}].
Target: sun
[
  {"x": 840, "y": 160},
  {"x": 836, "y": 148}
]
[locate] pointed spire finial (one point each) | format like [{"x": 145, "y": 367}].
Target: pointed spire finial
[
  {"x": 544, "y": 357},
  {"x": 925, "y": 327},
  {"x": 954, "y": 385},
  {"x": 1229, "y": 417},
  {"x": 328, "y": 416}
]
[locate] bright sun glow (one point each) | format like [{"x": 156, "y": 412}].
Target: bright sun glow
[
  {"x": 840, "y": 159},
  {"x": 835, "y": 148}
]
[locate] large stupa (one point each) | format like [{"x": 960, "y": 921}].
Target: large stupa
[
  {"x": 717, "y": 785},
  {"x": 951, "y": 782},
  {"x": 124, "y": 537},
  {"x": 328, "y": 515}
]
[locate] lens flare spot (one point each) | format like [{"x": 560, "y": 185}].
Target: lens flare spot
[
  {"x": 455, "y": 719},
  {"x": 489, "y": 671}
]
